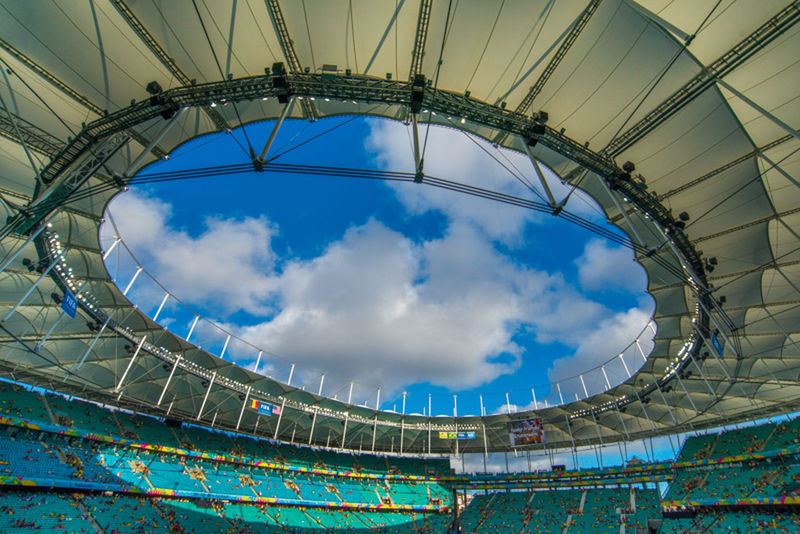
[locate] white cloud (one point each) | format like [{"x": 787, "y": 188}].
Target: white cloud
[
  {"x": 229, "y": 263},
  {"x": 453, "y": 156},
  {"x": 380, "y": 308},
  {"x": 393, "y": 312},
  {"x": 610, "y": 337},
  {"x": 602, "y": 267}
]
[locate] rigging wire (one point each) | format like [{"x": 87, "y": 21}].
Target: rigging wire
[
  {"x": 224, "y": 80},
  {"x": 436, "y": 75},
  {"x": 344, "y": 172}
]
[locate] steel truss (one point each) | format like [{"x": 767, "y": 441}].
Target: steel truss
[{"x": 99, "y": 140}]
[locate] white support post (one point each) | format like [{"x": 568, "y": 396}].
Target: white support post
[
  {"x": 535, "y": 404},
  {"x": 191, "y": 328},
  {"x": 344, "y": 432},
  {"x": 280, "y": 416},
  {"x": 244, "y": 405},
  {"x": 160, "y": 307},
  {"x": 641, "y": 352},
  {"x": 169, "y": 379},
  {"x": 560, "y": 396},
  {"x": 139, "y": 270},
  {"x": 313, "y": 422},
  {"x": 540, "y": 175},
  {"x": 378, "y": 400},
  {"x": 111, "y": 248},
  {"x": 350, "y": 394},
  {"x": 258, "y": 361},
  {"x": 321, "y": 381},
  {"x": 205, "y": 397},
  {"x": 585, "y": 393},
  {"x": 374, "y": 432},
  {"x": 275, "y": 128},
  {"x": 169, "y": 408},
  {"x": 625, "y": 365},
  {"x": 605, "y": 375},
  {"x": 291, "y": 374},
  {"x": 36, "y": 283},
  {"x": 100, "y": 331},
  {"x": 225, "y": 346},
  {"x": 508, "y": 404},
  {"x": 159, "y": 136},
  {"x": 130, "y": 364},
  {"x": 483, "y": 408}
]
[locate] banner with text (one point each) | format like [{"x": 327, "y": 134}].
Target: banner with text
[
  {"x": 526, "y": 432},
  {"x": 265, "y": 408},
  {"x": 456, "y": 435}
]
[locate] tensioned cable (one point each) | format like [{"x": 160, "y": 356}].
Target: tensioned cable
[
  {"x": 436, "y": 75},
  {"x": 678, "y": 54},
  {"x": 224, "y": 78},
  {"x": 379, "y": 175},
  {"x": 384, "y": 175}
]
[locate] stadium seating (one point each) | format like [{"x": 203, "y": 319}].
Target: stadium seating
[{"x": 23, "y": 512}]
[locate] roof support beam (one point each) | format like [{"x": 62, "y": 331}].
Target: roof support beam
[
  {"x": 169, "y": 379},
  {"x": 421, "y": 36},
  {"x": 760, "y": 109},
  {"x": 723, "y": 168},
  {"x": 728, "y": 62},
  {"x": 138, "y": 28},
  {"x": 287, "y": 46},
  {"x": 566, "y": 44},
  {"x": 47, "y": 76},
  {"x": 205, "y": 397}
]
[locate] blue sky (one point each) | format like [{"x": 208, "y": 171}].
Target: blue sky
[{"x": 397, "y": 285}]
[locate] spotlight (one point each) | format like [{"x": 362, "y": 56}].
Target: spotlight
[
  {"x": 154, "y": 88},
  {"x": 533, "y": 134},
  {"x": 628, "y": 167},
  {"x": 683, "y": 216}
]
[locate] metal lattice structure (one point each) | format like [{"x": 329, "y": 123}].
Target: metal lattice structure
[{"x": 700, "y": 97}]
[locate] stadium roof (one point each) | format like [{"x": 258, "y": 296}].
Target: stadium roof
[{"x": 701, "y": 96}]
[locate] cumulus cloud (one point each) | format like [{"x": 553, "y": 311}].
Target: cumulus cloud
[
  {"x": 611, "y": 337},
  {"x": 455, "y": 156},
  {"x": 395, "y": 312},
  {"x": 379, "y": 307},
  {"x": 228, "y": 263},
  {"x": 603, "y": 267}
]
